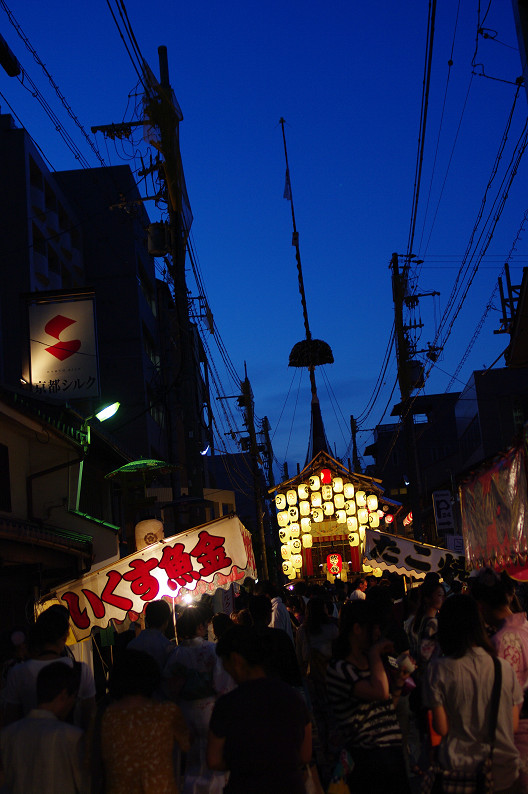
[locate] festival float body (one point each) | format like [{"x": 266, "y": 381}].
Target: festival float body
[
  {"x": 184, "y": 567},
  {"x": 323, "y": 515}
]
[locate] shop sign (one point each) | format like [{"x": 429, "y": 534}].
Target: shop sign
[
  {"x": 192, "y": 563},
  {"x": 63, "y": 349}
]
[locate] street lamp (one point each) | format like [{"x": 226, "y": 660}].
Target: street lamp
[{"x": 102, "y": 415}]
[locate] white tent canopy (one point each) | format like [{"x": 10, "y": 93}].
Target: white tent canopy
[{"x": 198, "y": 561}]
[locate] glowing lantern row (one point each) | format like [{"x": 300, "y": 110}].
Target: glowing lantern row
[
  {"x": 318, "y": 500},
  {"x": 325, "y": 488}
]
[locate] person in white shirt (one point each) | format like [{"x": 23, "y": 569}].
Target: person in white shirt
[
  {"x": 280, "y": 617},
  {"x": 42, "y": 754}
]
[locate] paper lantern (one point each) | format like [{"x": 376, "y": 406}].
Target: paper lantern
[
  {"x": 284, "y": 534},
  {"x": 304, "y": 508},
  {"x": 348, "y": 490},
  {"x": 315, "y": 499},
  {"x": 306, "y": 524},
  {"x": 297, "y": 560},
  {"x": 314, "y": 482},
  {"x": 148, "y": 531},
  {"x": 389, "y": 518},
  {"x": 280, "y": 501},
  {"x": 293, "y": 513},
  {"x": 293, "y": 574},
  {"x": 339, "y": 501},
  {"x": 295, "y": 530},
  {"x": 337, "y": 484},
  {"x": 363, "y": 515},
  {"x": 283, "y": 519},
  {"x": 287, "y": 567},
  {"x": 296, "y": 546},
  {"x": 353, "y": 539},
  {"x": 334, "y": 564},
  {"x": 317, "y": 515},
  {"x": 291, "y": 497},
  {"x": 352, "y": 523},
  {"x": 377, "y": 572},
  {"x": 361, "y": 499},
  {"x": 286, "y": 551},
  {"x": 328, "y": 508},
  {"x": 307, "y": 541},
  {"x": 326, "y": 491},
  {"x": 362, "y": 534},
  {"x": 326, "y": 476},
  {"x": 350, "y": 507},
  {"x": 372, "y": 502},
  {"x": 341, "y": 517},
  {"x": 373, "y": 520},
  {"x": 303, "y": 490}
]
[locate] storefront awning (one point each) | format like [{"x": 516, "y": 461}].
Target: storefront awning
[
  {"x": 404, "y": 556},
  {"x": 195, "y": 562}
]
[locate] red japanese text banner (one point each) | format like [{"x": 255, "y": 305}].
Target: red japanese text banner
[{"x": 198, "y": 561}]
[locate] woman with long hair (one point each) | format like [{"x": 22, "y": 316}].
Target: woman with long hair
[
  {"x": 459, "y": 692},
  {"x": 362, "y": 698}
]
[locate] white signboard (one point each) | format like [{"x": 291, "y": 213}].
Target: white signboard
[
  {"x": 201, "y": 560},
  {"x": 443, "y": 511},
  {"x": 63, "y": 349},
  {"x": 405, "y": 556}
]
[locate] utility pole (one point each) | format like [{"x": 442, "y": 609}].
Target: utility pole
[
  {"x": 520, "y": 15},
  {"x": 246, "y": 402},
  {"x": 399, "y": 293},
  {"x": 165, "y": 116},
  {"x": 355, "y": 457}
]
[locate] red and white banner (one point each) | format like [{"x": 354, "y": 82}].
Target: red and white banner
[
  {"x": 195, "y": 562},
  {"x": 63, "y": 349}
]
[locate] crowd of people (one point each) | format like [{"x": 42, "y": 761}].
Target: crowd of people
[{"x": 318, "y": 688}]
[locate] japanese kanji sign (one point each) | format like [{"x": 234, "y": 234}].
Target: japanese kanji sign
[
  {"x": 63, "y": 349},
  {"x": 404, "y": 556},
  {"x": 200, "y": 561}
]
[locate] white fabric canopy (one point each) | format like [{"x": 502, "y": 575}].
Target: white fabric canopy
[{"x": 198, "y": 561}]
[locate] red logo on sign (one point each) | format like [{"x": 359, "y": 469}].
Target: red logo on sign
[{"x": 55, "y": 327}]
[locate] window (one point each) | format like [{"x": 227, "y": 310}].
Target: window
[
  {"x": 54, "y": 265},
  {"x": 39, "y": 241},
  {"x": 146, "y": 288},
  {"x": 50, "y": 198},
  {"x": 5, "y": 483},
  {"x": 150, "y": 348},
  {"x": 35, "y": 174}
]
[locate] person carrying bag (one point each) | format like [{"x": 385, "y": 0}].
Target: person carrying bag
[{"x": 477, "y": 754}]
